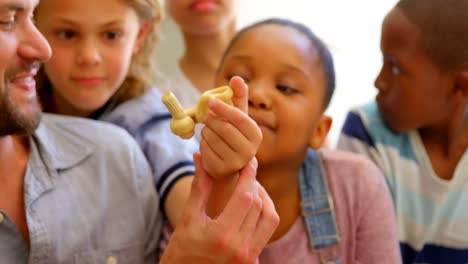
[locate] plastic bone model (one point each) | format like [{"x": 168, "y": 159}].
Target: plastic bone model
[{"x": 183, "y": 121}]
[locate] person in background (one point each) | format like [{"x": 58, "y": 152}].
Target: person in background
[
  {"x": 76, "y": 190},
  {"x": 416, "y": 130},
  {"x": 101, "y": 71},
  {"x": 206, "y": 27},
  {"x": 334, "y": 207}
]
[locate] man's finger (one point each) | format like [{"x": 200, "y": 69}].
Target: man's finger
[
  {"x": 266, "y": 226},
  {"x": 250, "y": 223},
  {"x": 241, "y": 201},
  {"x": 200, "y": 191}
]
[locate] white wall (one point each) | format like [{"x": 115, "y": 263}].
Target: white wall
[{"x": 350, "y": 28}]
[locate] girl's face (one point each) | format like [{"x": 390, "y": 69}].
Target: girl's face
[
  {"x": 286, "y": 89},
  {"x": 202, "y": 17},
  {"x": 92, "y": 44}
]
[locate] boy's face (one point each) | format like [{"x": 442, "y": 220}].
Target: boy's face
[
  {"x": 413, "y": 92},
  {"x": 286, "y": 89},
  {"x": 93, "y": 43},
  {"x": 203, "y": 17},
  {"x": 22, "y": 48}
]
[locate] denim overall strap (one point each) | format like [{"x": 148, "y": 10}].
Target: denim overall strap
[{"x": 317, "y": 204}]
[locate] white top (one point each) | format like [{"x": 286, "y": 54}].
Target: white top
[{"x": 180, "y": 86}]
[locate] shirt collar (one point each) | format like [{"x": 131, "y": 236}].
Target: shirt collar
[{"x": 61, "y": 148}]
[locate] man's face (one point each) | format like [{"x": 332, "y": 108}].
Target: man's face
[{"x": 22, "y": 48}]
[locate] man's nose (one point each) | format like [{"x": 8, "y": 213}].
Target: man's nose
[{"x": 32, "y": 44}]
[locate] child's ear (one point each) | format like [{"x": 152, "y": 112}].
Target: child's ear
[
  {"x": 321, "y": 131},
  {"x": 145, "y": 29},
  {"x": 461, "y": 82}
]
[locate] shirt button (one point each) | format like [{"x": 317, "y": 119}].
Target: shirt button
[
  {"x": 111, "y": 260},
  {"x": 1, "y": 218}
]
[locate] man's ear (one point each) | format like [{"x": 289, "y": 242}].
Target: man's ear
[
  {"x": 319, "y": 136},
  {"x": 145, "y": 29}
]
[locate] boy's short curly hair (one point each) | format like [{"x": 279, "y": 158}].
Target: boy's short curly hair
[{"x": 444, "y": 29}]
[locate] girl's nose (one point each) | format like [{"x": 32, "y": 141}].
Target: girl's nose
[
  {"x": 88, "y": 54},
  {"x": 258, "y": 97}
]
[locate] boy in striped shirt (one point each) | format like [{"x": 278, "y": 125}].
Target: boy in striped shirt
[{"x": 416, "y": 131}]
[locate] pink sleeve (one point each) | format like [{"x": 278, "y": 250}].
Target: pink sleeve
[{"x": 376, "y": 234}]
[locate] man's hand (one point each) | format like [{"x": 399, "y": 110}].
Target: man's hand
[{"x": 237, "y": 235}]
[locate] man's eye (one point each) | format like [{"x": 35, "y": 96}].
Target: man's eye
[
  {"x": 8, "y": 24},
  {"x": 8, "y": 20}
]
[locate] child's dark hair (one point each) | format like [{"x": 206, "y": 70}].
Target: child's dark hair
[
  {"x": 324, "y": 53},
  {"x": 444, "y": 29}
]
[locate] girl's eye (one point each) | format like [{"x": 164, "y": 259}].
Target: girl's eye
[
  {"x": 111, "y": 35},
  {"x": 285, "y": 89},
  {"x": 67, "y": 34}
]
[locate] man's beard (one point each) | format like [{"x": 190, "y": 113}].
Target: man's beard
[{"x": 12, "y": 120}]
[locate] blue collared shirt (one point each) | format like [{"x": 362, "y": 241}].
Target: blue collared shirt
[
  {"x": 89, "y": 198},
  {"x": 148, "y": 121}
]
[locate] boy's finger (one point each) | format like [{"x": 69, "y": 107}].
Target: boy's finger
[{"x": 240, "y": 98}]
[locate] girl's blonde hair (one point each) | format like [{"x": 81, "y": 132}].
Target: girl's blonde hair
[{"x": 142, "y": 71}]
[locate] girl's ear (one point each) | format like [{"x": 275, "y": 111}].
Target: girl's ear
[
  {"x": 145, "y": 29},
  {"x": 319, "y": 136}
]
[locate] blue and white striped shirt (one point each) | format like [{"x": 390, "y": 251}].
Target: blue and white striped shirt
[{"x": 432, "y": 213}]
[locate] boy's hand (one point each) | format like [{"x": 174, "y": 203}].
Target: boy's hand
[
  {"x": 237, "y": 235},
  {"x": 230, "y": 138}
]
